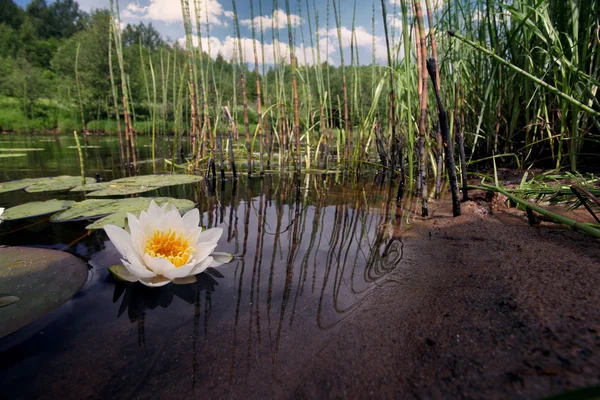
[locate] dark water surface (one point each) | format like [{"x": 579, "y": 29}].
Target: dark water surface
[{"x": 306, "y": 257}]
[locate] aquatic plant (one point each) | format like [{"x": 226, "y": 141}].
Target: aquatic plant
[{"x": 162, "y": 246}]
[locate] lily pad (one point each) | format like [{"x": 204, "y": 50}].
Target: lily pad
[
  {"x": 6, "y": 300},
  {"x": 12, "y": 155},
  {"x": 136, "y": 206},
  {"x": 42, "y": 280},
  {"x": 160, "y": 180},
  {"x": 88, "y": 187},
  {"x": 85, "y": 209},
  {"x": 118, "y": 219},
  {"x": 121, "y": 190},
  {"x": 120, "y": 273},
  {"x": 11, "y": 186},
  {"x": 20, "y": 150},
  {"x": 63, "y": 182},
  {"x": 36, "y": 209},
  {"x": 95, "y": 208}
]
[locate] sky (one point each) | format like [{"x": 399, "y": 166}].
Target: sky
[{"x": 166, "y": 17}]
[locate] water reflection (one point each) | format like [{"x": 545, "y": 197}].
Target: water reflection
[
  {"x": 308, "y": 254},
  {"x": 307, "y": 257}
]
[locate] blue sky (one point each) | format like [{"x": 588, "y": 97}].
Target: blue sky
[{"x": 165, "y": 15}]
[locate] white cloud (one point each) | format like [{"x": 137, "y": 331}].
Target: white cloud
[
  {"x": 170, "y": 11},
  {"x": 363, "y": 39},
  {"x": 226, "y": 48},
  {"x": 436, "y": 4},
  {"x": 278, "y": 20}
]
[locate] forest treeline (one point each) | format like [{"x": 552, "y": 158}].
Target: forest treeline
[{"x": 520, "y": 80}]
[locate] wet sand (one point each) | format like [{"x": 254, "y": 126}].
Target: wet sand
[{"x": 485, "y": 307}]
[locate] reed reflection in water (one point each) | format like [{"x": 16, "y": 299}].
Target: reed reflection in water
[{"x": 305, "y": 258}]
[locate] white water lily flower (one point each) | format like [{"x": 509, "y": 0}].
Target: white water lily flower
[
  {"x": 1, "y": 212},
  {"x": 162, "y": 246}
]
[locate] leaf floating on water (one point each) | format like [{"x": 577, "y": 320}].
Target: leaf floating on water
[
  {"x": 85, "y": 209},
  {"x": 12, "y": 155},
  {"x": 20, "y": 150},
  {"x": 42, "y": 280},
  {"x": 119, "y": 219},
  {"x": 121, "y": 190},
  {"x": 220, "y": 258},
  {"x": 36, "y": 209},
  {"x": 120, "y": 273},
  {"x": 63, "y": 182},
  {"x": 160, "y": 180},
  {"x": 135, "y": 206},
  {"x": 16, "y": 185},
  {"x": 88, "y": 187},
  {"x": 6, "y": 300}
]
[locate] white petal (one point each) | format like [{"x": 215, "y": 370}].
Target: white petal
[
  {"x": 173, "y": 220},
  {"x": 158, "y": 265},
  {"x": 155, "y": 282},
  {"x": 210, "y": 235},
  {"x": 169, "y": 207},
  {"x": 137, "y": 269},
  {"x": 220, "y": 259},
  {"x": 191, "y": 219},
  {"x": 203, "y": 250},
  {"x": 120, "y": 238},
  {"x": 200, "y": 267},
  {"x": 181, "y": 272},
  {"x": 137, "y": 235},
  {"x": 154, "y": 211}
]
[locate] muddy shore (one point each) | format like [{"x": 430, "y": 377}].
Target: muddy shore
[{"x": 488, "y": 307}]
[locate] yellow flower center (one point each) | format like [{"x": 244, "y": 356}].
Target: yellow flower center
[{"x": 170, "y": 245}]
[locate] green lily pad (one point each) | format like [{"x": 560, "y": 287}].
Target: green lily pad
[
  {"x": 118, "y": 219},
  {"x": 121, "y": 273},
  {"x": 42, "y": 280},
  {"x": 6, "y": 300},
  {"x": 11, "y": 186},
  {"x": 89, "y": 187},
  {"x": 122, "y": 190},
  {"x": 36, "y": 209},
  {"x": 12, "y": 155},
  {"x": 85, "y": 209},
  {"x": 160, "y": 180},
  {"x": 20, "y": 150},
  {"x": 136, "y": 206},
  {"x": 63, "y": 182}
]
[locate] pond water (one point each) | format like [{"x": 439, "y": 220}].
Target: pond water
[{"x": 306, "y": 256}]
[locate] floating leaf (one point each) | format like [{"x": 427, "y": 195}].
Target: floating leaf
[
  {"x": 136, "y": 206},
  {"x": 20, "y": 150},
  {"x": 121, "y": 273},
  {"x": 12, "y": 155},
  {"x": 121, "y": 190},
  {"x": 221, "y": 258},
  {"x": 16, "y": 185},
  {"x": 6, "y": 300},
  {"x": 88, "y": 187},
  {"x": 63, "y": 182},
  {"x": 42, "y": 280},
  {"x": 36, "y": 209},
  {"x": 118, "y": 219},
  {"x": 85, "y": 209},
  {"x": 160, "y": 180}
]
